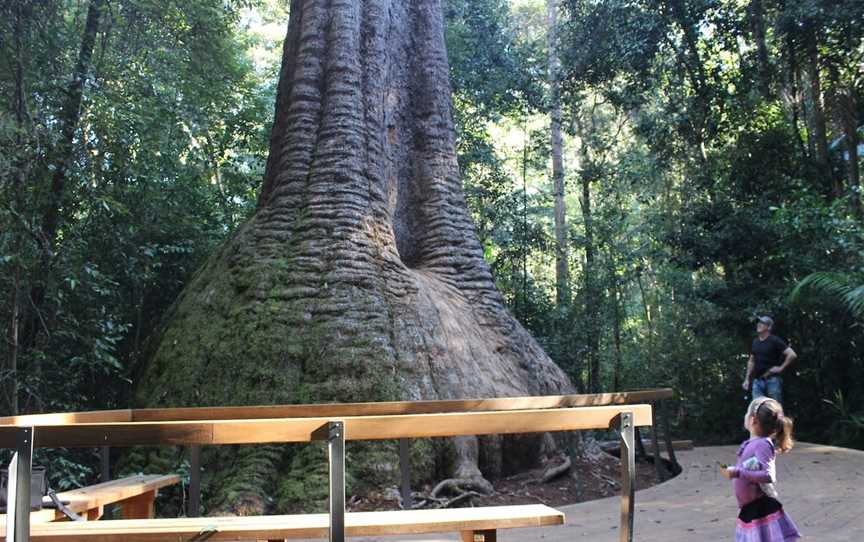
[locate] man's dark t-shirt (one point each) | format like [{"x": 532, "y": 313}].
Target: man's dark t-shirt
[{"x": 767, "y": 353}]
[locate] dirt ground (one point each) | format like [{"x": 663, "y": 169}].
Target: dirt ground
[{"x": 587, "y": 480}]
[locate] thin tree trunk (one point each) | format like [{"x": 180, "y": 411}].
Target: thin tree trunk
[
  {"x": 819, "y": 135},
  {"x": 524, "y": 251},
  {"x": 793, "y": 92},
  {"x": 591, "y": 297},
  {"x": 10, "y": 373},
  {"x": 70, "y": 117},
  {"x": 757, "y": 25},
  {"x": 847, "y": 112},
  {"x": 562, "y": 278}
]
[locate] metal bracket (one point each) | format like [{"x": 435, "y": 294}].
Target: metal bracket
[
  {"x": 336, "y": 439},
  {"x": 18, "y": 496},
  {"x": 624, "y": 423}
]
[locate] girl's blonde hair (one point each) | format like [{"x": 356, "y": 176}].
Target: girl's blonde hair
[{"x": 773, "y": 423}]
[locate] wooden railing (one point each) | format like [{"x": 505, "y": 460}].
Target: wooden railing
[{"x": 334, "y": 423}]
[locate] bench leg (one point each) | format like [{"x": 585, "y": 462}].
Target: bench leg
[
  {"x": 139, "y": 507},
  {"x": 488, "y": 535},
  {"x": 95, "y": 513}
]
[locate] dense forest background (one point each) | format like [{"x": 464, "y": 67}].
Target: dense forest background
[{"x": 707, "y": 157}]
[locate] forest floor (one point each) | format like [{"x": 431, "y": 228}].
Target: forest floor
[
  {"x": 820, "y": 487},
  {"x": 589, "y": 478}
]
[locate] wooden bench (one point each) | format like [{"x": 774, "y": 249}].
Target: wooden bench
[
  {"x": 134, "y": 494},
  {"x": 474, "y": 524},
  {"x": 335, "y": 428}
]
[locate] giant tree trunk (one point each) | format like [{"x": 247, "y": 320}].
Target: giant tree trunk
[{"x": 360, "y": 276}]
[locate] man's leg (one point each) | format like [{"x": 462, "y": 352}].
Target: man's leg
[
  {"x": 758, "y": 388},
  {"x": 774, "y": 389}
]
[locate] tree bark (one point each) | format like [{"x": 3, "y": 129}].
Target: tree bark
[
  {"x": 819, "y": 135},
  {"x": 757, "y": 24},
  {"x": 592, "y": 301},
  {"x": 562, "y": 275},
  {"x": 360, "y": 276},
  {"x": 847, "y": 113}
]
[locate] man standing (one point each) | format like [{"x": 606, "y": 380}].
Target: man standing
[{"x": 769, "y": 357}]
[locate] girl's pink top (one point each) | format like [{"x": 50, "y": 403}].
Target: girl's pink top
[{"x": 759, "y": 471}]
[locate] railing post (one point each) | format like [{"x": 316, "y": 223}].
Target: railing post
[
  {"x": 336, "y": 438},
  {"x": 658, "y": 461},
  {"x": 194, "y": 481},
  {"x": 624, "y": 423},
  {"x": 18, "y": 496},
  {"x": 405, "y": 469}
]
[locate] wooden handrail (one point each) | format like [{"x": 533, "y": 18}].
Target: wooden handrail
[
  {"x": 340, "y": 410},
  {"x": 68, "y": 418},
  {"x": 306, "y": 429}
]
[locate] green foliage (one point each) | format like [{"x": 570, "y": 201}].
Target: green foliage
[
  {"x": 838, "y": 288},
  {"x": 848, "y": 427}
]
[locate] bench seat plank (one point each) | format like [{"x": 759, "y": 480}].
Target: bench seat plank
[
  {"x": 299, "y": 526},
  {"x": 97, "y": 496}
]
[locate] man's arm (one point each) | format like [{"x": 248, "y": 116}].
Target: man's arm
[
  {"x": 751, "y": 363},
  {"x": 789, "y": 358}
]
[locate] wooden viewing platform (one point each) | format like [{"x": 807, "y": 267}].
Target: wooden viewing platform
[{"x": 820, "y": 487}]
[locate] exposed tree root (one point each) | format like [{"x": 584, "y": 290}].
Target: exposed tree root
[{"x": 556, "y": 471}]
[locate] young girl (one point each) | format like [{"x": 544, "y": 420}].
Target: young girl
[{"x": 761, "y": 518}]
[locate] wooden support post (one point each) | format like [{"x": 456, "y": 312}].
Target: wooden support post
[
  {"x": 670, "y": 449},
  {"x": 658, "y": 461},
  {"x": 488, "y": 535},
  {"x": 194, "y": 481},
  {"x": 405, "y": 468},
  {"x": 105, "y": 459},
  {"x": 140, "y": 506},
  {"x": 640, "y": 446},
  {"x": 94, "y": 513}
]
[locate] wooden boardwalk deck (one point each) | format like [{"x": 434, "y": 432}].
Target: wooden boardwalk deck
[{"x": 821, "y": 487}]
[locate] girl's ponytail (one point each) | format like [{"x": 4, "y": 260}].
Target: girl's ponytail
[{"x": 783, "y": 437}]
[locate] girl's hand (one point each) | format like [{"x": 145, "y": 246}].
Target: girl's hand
[{"x": 726, "y": 472}]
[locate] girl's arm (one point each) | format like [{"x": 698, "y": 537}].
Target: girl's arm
[{"x": 764, "y": 453}]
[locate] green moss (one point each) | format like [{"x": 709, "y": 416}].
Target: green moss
[{"x": 227, "y": 343}]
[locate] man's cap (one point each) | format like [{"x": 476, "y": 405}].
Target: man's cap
[{"x": 767, "y": 320}]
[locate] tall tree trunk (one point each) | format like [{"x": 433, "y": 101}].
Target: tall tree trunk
[
  {"x": 847, "y": 113},
  {"x": 562, "y": 275},
  {"x": 69, "y": 117},
  {"x": 592, "y": 301},
  {"x": 818, "y": 128},
  {"x": 757, "y": 25},
  {"x": 10, "y": 372},
  {"x": 793, "y": 96},
  {"x": 359, "y": 277}
]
